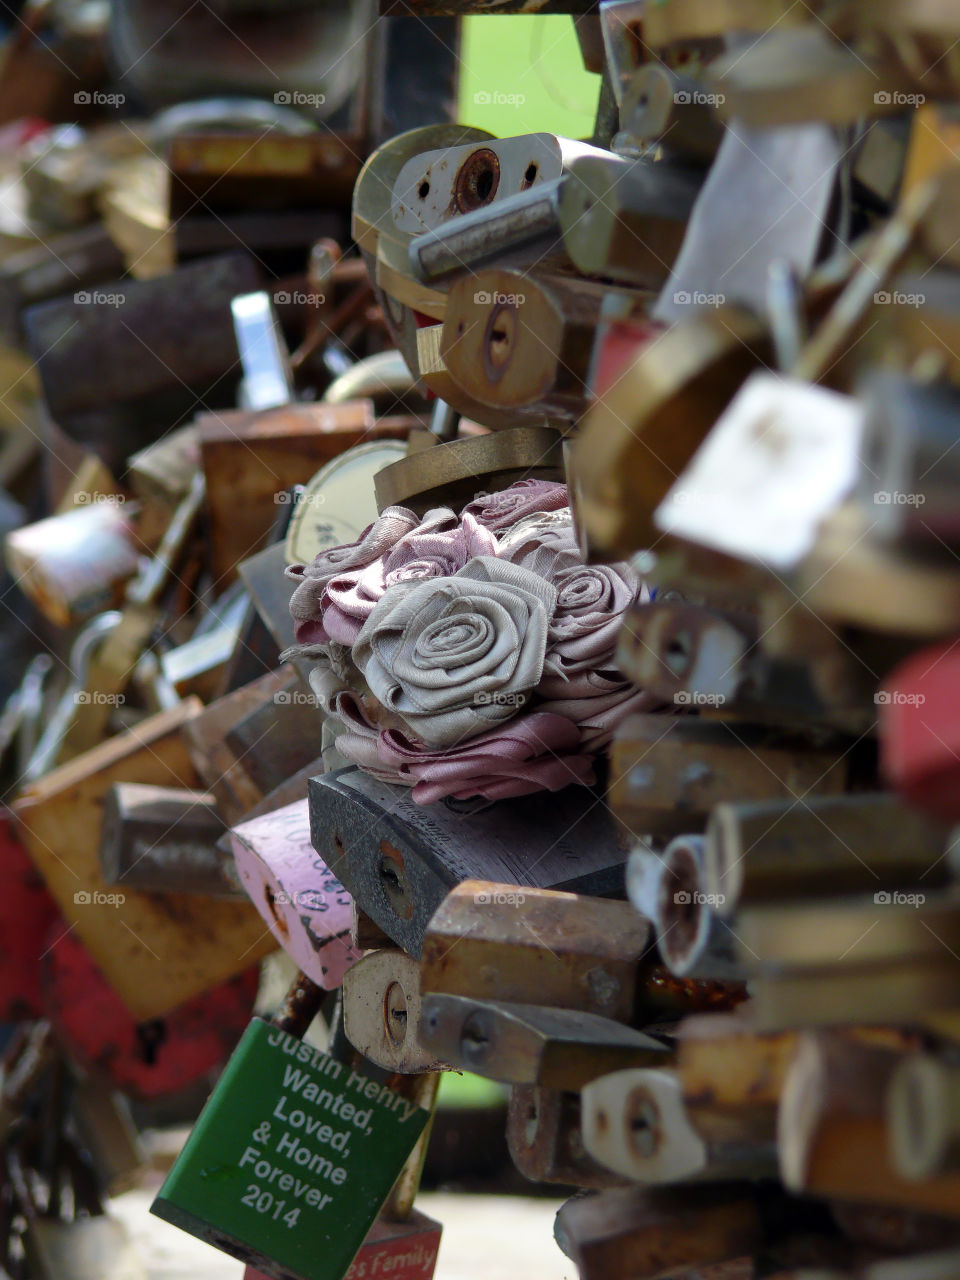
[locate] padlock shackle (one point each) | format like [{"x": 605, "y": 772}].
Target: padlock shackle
[{"x": 300, "y": 1006}]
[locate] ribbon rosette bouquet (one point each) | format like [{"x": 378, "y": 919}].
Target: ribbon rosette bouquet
[{"x": 473, "y": 654}]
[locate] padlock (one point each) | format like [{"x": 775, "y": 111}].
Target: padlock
[
  {"x": 220, "y": 768},
  {"x": 921, "y": 1117},
  {"x": 251, "y": 459},
  {"x": 199, "y": 665},
  {"x": 277, "y": 738},
  {"x": 140, "y": 391},
  {"x": 437, "y": 378},
  {"x": 338, "y": 503},
  {"x": 435, "y": 186},
  {"x": 150, "y": 1058},
  {"x": 381, "y": 1012},
  {"x": 833, "y": 1134},
  {"x": 157, "y": 952},
  {"x": 399, "y": 862},
  {"x": 560, "y": 950},
  {"x": 626, "y": 220},
  {"x": 917, "y": 730},
  {"x": 543, "y": 1137},
  {"x": 303, "y": 904},
  {"x": 637, "y": 1123},
  {"x": 659, "y": 1232},
  {"x": 58, "y": 264},
  {"x": 92, "y": 1243},
  {"x": 668, "y": 888},
  {"x": 922, "y": 989},
  {"x": 163, "y": 840},
  {"x": 27, "y": 913},
  {"x": 723, "y": 1062},
  {"x": 639, "y": 437},
  {"x": 789, "y": 438},
  {"x": 667, "y": 776},
  {"x": 294, "y": 1190},
  {"x": 711, "y": 658},
  {"x": 74, "y": 565},
  {"x": 841, "y": 578},
  {"x": 514, "y": 341},
  {"x": 372, "y": 217},
  {"x": 515, "y": 943},
  {"x": 530, "y": 1044},
  {"x": 107, "y": 1134},
  {"x": 454, "y": 472},
  {"x": 404, "y": 1250},
  {"x": 788, "y": 77},
  {"x": 776, "y": 850},
  {"x": 111, "y": 664},
  {"x": 664, "y": 106}
]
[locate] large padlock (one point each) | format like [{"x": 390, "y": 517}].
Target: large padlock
[
  {"x": 280, "y": 1169},
  {"x": 146, "y": 1059},
  {"x": 399, "y": 861},
  {"x": 157, "y": 951}
]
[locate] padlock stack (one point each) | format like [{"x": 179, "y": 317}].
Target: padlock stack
[
  {"x": 554, "y": 656},
  {"x": 731, "y": 310}
]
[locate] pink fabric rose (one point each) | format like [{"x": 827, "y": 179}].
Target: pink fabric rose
[
  {"x": 306, "y": 603},
  {"x": 523, "y": 498},
  {"x": 535, "y": 752}
]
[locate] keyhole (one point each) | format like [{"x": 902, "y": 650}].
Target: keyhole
[
  {"x": 151, "y": 1036},
  {"x": 394, "y": 884},
  {"x": 395, "y": 1014},
  {"x": 643, "y": 1123}
]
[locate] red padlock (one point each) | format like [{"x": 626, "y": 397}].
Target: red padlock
[
  {"x": 918, "y": 712},
  {"x": 616, "y": 344},
  {"x": 145, "y": 1060},
  {"x": 392, "y": 1251},
  {"x": 27, "y": 914}
]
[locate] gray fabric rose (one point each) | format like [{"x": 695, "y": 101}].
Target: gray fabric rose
[
  {"x": 591, "y": 600},
  {"x": 454, "y": 656}
]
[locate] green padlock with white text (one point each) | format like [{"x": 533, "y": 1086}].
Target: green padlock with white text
[{"x": 293, "y": 1155}]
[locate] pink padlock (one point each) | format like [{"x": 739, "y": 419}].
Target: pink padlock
[{"x": 304, "y": 905}]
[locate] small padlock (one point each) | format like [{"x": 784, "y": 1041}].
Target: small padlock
[
  {"x": 279, "y": 1170},
  {"x": 304, "y": 905},
  {"x": 107, "y": 1133},
  {"x": 164, "y": 840}
]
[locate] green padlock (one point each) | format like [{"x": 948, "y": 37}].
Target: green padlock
[{"x": 294, "y": 1153}]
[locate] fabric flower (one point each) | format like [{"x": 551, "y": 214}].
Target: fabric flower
[
  {"x": 591, "y": 601},
  {"x": 376, "y": 539},
  {"x": 536, "y": 752},
  {"x": 438, "y": 547},
  {"x": 523, "y": 498},
  {"x": 451, "y": 656},
  {"x": 597, "y": 702}
]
